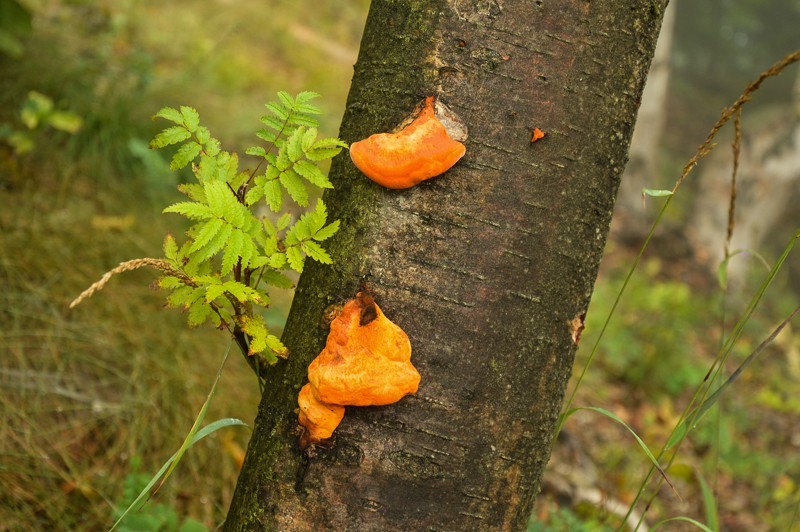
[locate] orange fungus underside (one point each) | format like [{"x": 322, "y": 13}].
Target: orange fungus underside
[
  {"x": 366, "y": 362},
  {"x": 420, "y": 151}
]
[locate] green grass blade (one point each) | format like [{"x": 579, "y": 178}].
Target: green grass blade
[
  {"x": 696, "y": 523},
  {"x": 641, "y": 443},
  {"x": 722, "y": 269},
  {"x": 794, "y": 515},
  {"x": 688, "y": 418},
  {"x": 563, "y": 417},
  {"x": 202, "y": 433},
  {"x": 214, "y": 426},
  {"x": 709, "y": 502},
  {"x": 714, "y": 397},
  {"x": 187, "y": 442},
  {"x": 195, "y": 434}
]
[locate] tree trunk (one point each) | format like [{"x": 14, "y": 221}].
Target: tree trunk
[{"x": 488, "y": 268}]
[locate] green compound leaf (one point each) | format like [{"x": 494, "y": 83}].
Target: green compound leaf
[
  {"x": 278, "y": 260},
  {"x": 245, "y": 248},
  {"x": 179, "y": 296},
  {"x": 242, "y": 292},
  {"x": 228, "y": 166},
  {"x": 298, "y": 232},
  {"x": 295, "y": 258},
  {"x": 325, "y": 149},
  {"x": 301, "y": 103},
  {"x": 258, "y": 261},
  {"x": 302, "y": 120},
  {"x": 190, "y": 118},
  {"x": 217, "y": 243},
  {"x": 213, "y": 292},
  {"x": 168, "y": 113},
  {"x": 233, "y": 250},
  {"x": 322, "y": 154},
  {"x": 306, "y": 96},
  {"x": 207, "y": 169},
  {"x": 329, "y": 142},
  {"x": 317, "y": 218},
  {"x": 255, "y": 327},
  {"x": 277, "y": 279},
  {"x": 282, "y": 161},
  {"x": 203, "y": 135},
  {"x": 258, "y": 151},
  {"x": 310, "y": 225},
  {"x": 199, "y": 312},
  {"x": 280, "y": 111},
  {"x": 171, "y": 135},
  {"x": 169, "y": 282},
  {"x": 206, "y": 232},
  {"x": 239, "y": 248},
  {"x": 267, "y": 135},
  {"x": 185, "y": 154},
  {"x": 217, "y": 194},
  {"x": 190, "y": 209},
  {"x": 270, "y": 121},
  {"x": 276, "y": 346},
  {"x": 222, "y": 167},
  {"x": 294, "y": 144},
  {"x": 269, "y": 228},
  {"x": 327, "y": 231},
  {"x": 312, "y": 173},
  {"x": 286, "y": 99},
  {"x": 255, "y": 192},
  {"x": 309, "y": 137},
  {"x": 284, "y": 221},
  {"x": 170, "y": 247},
  {"x": 294, "y": 186},
  {"x": 273, "y": 193},
  {"x": 316, "y": 252},
  {"x": 212, "y": 147},
  {"x": 194, "y": 191}
]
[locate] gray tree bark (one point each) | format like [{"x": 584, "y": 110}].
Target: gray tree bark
[{"x": 488, "y": 268}]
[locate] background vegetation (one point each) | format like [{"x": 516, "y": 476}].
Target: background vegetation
[{"x": 95, "y": 399}]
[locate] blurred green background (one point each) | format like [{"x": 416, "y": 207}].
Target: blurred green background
[{"x": 93, "y": 400}]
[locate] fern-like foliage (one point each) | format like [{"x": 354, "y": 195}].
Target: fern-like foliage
[
  {"x": 232, "y": 255},
  {"x": 292, "y": 131}
]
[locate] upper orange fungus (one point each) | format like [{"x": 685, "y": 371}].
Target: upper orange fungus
[
  {"x": 420, "y": 151},
  {"x": 366, "y": 361},
  {"x": 536, "y": 135}
]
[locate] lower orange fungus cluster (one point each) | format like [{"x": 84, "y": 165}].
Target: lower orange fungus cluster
[
  {"x": 420, "y": 151},
  {"x": 366, "y": 361}
]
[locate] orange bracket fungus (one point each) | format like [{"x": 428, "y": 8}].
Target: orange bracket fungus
[
  {"x": 421, "y": 150},
  {"x": 537, "y": 134},
  {"x": 366, "y": 362}
]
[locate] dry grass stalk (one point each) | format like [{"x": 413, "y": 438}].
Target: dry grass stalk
[{"x": 126, "y": 266}]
